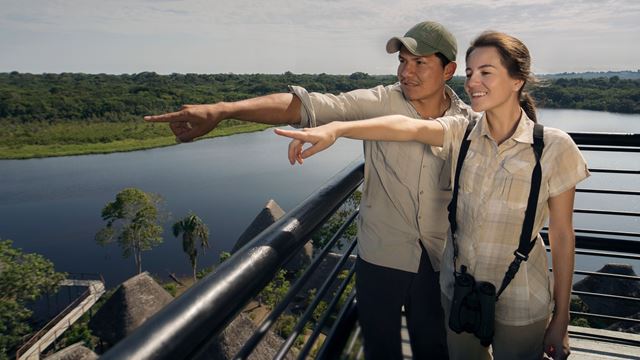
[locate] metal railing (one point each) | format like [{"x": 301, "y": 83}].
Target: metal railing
[
  {"x": 185, "y": 328},
  {"x": 623, "y": 245}
]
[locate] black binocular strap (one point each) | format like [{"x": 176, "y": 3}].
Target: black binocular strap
[
  {"x": 453, "y": 204},
  {"x": 526, "y": 243}
]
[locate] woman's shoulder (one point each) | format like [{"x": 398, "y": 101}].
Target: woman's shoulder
[
  {"x": 458, "y": 120},
  {"x": 454, "y": 125},
  {"x": 556, "y": 138},
  {"x": 553, "y": 135}
]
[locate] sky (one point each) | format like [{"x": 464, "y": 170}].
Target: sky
[{"x": 301, "y": 36}]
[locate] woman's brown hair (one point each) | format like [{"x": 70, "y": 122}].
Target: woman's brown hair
[{"x": 515, "y": 56}]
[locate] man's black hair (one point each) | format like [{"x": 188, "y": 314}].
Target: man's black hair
[{"x": 443, "y": 59}]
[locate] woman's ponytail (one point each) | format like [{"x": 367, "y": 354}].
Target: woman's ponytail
[{"x": 529, "y": 106}]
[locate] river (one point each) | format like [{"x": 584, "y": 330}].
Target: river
[{"x": 52, "y": 206}]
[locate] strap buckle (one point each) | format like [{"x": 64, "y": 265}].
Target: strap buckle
[{"x": 520, "y": 256}]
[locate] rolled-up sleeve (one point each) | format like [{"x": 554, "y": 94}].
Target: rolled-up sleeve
[
  {"x": 307, "y": 114},
  {"x": 319, "y": 109},
  {"x": 568, "y": 166}
]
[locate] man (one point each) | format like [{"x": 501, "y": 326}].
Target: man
[{"x": 403, "y": 222}]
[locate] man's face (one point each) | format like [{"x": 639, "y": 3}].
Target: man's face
[{"x": 421, "y": 77}]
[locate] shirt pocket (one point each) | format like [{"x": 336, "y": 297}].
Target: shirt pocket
[
  {"x": 515, "y": 183},
  {"x": 471, "y": 177}
]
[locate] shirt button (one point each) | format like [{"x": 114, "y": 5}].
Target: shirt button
[
  {"x": 419, "y": 217},
  {"x": 421, "y": 192}
]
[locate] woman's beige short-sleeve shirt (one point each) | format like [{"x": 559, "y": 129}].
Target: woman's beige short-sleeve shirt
[{"x": 493, "y": 192}]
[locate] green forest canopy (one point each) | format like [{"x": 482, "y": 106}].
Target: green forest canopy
[
  {"x": 123, "y": 98},
  {"x": 74, "y": 113}
]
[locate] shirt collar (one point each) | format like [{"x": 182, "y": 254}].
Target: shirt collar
[
  {"x": 523, "y": 133},
  {"x": 457, "y": 105}
]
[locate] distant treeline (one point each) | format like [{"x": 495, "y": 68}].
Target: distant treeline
[
  {"x": 595, "y": 74},
  {"x": 74, "y": 97}
]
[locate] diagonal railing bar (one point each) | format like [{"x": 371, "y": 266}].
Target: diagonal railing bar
[
  {"x": 266, "y": 324},
  {"x": 297, "y": 330},
  {"x": 325, "y": 317}
]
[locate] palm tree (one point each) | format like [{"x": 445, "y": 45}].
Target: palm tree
[{"x": 193, "y": 230}]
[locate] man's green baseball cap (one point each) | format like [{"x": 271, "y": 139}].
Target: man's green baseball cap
[{"x": 426, "y": 38}]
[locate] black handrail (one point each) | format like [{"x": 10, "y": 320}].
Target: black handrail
[
  {"x": 606, "y": 232},
  {"x": 615, "y": 171},
  {"x": 607, "y": 275},
  {"x": 184, "y": 325},
  {"x": 607, "y": 212},
  {"x": 605, "y": 247},
  {"x": 605, "y": 139},
  {"x": 610, "y": 192}
]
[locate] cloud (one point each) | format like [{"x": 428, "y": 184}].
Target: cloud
[{"x": 305, "y": 35}]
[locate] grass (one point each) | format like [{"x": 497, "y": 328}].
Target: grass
[{"x": 24, "y": 141}]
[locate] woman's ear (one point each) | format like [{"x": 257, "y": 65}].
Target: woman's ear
[{"x": 518, "y": 84}]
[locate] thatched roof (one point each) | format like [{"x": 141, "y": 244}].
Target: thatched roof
[
  {"x": 135, "y": 300},
  {"x": 599, "y": 284},
  {"x": 627, "y": 326},
  {"x": 265, "y": 218},
  {"x": 76, "y": 351},
  {"x": 231, "y": 340}
]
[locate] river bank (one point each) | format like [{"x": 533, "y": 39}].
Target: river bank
[{"x": 27, "y": 142}]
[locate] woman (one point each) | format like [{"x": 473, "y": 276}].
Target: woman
[{"x": 532, "y": 314}]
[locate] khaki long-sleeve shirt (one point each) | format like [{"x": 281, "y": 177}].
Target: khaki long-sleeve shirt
[{"x": 406, "y": 188}]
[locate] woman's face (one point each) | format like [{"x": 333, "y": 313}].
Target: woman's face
[{"x": 488, "y": 82}]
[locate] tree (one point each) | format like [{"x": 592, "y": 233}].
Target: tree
[
  {"x": 322, "y": 236},
  {"x": 23, "y": 278},
  {"x": 194, "y": 232},
  {"x": 133, "y": 220}
]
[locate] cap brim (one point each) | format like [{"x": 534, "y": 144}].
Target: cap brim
[{"x": 395, "y": 43}]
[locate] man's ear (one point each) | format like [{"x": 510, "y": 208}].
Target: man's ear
[{"x": 449, "y": 70}]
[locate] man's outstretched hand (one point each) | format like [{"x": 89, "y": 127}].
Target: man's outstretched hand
[{"x": 191, "y": 121}]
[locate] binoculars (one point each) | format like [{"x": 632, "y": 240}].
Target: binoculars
[{"x": 473, "y": 307}]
